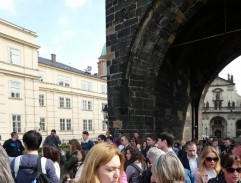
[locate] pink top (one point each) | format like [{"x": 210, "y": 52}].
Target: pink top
[{"x": 123, "y": 178}]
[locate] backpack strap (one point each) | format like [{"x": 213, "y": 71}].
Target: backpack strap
[
  {"x": 41, "y": 162},
  {"x": 136, "y": 167},
  {"x": 16, "y": 165}
]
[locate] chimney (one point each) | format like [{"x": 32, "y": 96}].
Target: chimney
[{"x": 53, "y": 57}]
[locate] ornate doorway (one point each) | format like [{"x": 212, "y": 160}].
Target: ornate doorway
[
  {"x": 218, "y": 133},
  {"x": 218, "y": 127},
  {"x": 238, "y": 128}
]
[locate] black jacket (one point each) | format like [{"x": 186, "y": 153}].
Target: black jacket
[
  {"x": 185, "y": 162},
  {"x": 220, "y": 179}
]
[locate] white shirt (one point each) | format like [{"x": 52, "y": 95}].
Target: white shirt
[
  {"x": 57, "y": 169},
  {"x": 193, "y": 164}
]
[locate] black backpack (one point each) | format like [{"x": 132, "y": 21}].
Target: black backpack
[{"x": 40, "y": 177}]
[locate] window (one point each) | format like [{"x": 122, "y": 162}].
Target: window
[
  {"x": 42, "y": 124},
  {"x": 68, "y": 124},
  {"x": 15, "y": 89},
  {"x": 104, "y": 126},
  {"x": 87, "y": 105},
  {"x": 68, "y": 103},
  {"x": 65, "y": 124},
  {"x": 64, "y": 81},
  {"x": 61, "y": 102},
  {"x": 104, "y": 89},
  {"x": 41, "y": 76},
  {"x": 14, "y": 56},
  {"x": 16, "y": 120},
  {"x": 85, "y": 85},
  {"x": 62, "y": 124},
  {"x": 87, "y": 124},
  {"x": 103, "y": 105},
  {"x": 41, "y": 100}
]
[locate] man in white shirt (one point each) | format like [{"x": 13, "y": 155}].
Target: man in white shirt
[{"x": 190, "y": 161}]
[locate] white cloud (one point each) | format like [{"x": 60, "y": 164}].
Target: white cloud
[
  {"x": 75, "y": 3},
  {"x": 8, "y": 6}
]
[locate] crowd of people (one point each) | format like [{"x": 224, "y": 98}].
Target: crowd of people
[{"x": 127, "y": 158}]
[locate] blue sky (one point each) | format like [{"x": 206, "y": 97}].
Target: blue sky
[
  {"x": 233, "y": 68},
  {"x": 74, "y": 30}
]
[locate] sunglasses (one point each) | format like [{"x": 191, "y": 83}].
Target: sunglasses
[
  {"x": 209, "y": 159},
  {"x": 232, "y": 170}
]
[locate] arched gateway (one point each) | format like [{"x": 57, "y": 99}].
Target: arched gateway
[{"x": 161, "y": 54}]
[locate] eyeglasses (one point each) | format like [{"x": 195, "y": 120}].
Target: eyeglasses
[
  {"x": 232, "y": 170},
  {"x": 212, "y": 159}
]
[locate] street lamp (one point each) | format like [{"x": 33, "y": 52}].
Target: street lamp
[
  {"x": 206, "y": 129},
  {"x": 105, "y": 115}
]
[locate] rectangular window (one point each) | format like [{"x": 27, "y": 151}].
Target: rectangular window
[
  {"x": 85, "y": 85},
  {"x": 61, "y": 102},
  {"x": 15, "y": 56},
  {"x": 41, "y": 100},
  {"x": 42, "y": 124},
  {"x": 87, "y": 105},
  {"x": 64, "y": 81},
  {"x": 16, "y": 121},
  {"x": 68, "y": 103},
  {"x": 68, "y": 124},
  {"x": 104, "y": 126},
  {"x": 87, "y": 124},
  {"x": 62, "y": 124},
  {"x": 104, "y": 89},
  {"x": 15, "y": 89},
  {"x": 65, "y": 124},
  {"x": 84, "y": 124}
]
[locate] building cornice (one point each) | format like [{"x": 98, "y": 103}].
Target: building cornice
[
  {"x": 19, "y": 41},
  {"x": 15, "y": 72},
  {"x": 69, "y": 91},
  {"x": 18, "y": 28}
]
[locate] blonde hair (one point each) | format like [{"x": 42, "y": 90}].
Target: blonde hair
[
  {"x": 167, "y": 168},
  {"x": 202, "y": 157},
  {"x": 99, "y": 155},
  {"x": 5, "y": 171}
]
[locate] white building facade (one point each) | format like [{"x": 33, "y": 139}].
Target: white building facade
[
  {"x": 221, "y": 111},
  {"x": 42, "y": 94}
]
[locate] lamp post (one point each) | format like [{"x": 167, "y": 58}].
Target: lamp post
[
  {"x": 105, "y": 115},
  {"x": 206, "y": 129}
]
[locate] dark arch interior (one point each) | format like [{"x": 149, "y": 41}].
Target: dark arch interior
[
  {"x": 157, "y": 84},
  {"x": 203, "y": 46}
]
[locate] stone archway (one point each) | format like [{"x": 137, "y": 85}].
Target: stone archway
[
  {"x": 238, "y": 128},
  {"x": 161, "y": 55}
]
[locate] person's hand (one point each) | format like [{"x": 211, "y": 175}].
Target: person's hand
[{"x": 63, "y": 153}]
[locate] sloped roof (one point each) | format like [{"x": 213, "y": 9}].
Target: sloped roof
[
  {"x": 63, "y": 66},
  {"x": 218, "y": 81}
]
